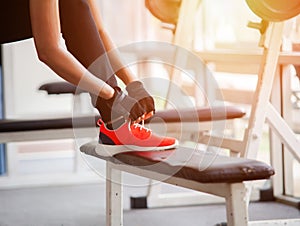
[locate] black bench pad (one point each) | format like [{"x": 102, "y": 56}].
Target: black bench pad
[
  {"x": 60, "y": 88},
  {"x": 186, "y": 115},
  {"x": 202, "y": 115},
  {"x": 45, "y": 124},
  {"x": 190, "y": 164}
]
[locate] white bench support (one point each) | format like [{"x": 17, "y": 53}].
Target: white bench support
[
  {"x": 114, "y": 196},
  {"x": 235, "y": 194},
  {"x": 237, "y": 205}
]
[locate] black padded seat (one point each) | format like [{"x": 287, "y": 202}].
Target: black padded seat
[
  {"x": 189, "y": 164},
  {"x": 45, "y": 124},
  {"x": 203, "y": 114},
  {"x": 179, "y": 115},
  {"x": 200, "y": 114},
  {"x": 60, "y": 88}
]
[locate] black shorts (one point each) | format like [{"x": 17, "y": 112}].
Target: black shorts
[{"x": 15, "y": 22}]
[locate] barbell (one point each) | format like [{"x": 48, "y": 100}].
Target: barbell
[
  {"x": 275, "y": 10},
  {"x": 270, "y": 10},
  {"x": 166, "y": 11}
]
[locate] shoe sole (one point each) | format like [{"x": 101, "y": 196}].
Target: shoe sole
[{"x": 111, "y": 150}]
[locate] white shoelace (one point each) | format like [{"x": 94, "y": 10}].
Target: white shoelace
[{"x": 141, "y": 127}]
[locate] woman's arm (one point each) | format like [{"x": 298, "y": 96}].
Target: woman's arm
[
  {"x": 46, "y": 32},
  {"x": 125, "y": 74},
  {"x": 134, "y": 89}
]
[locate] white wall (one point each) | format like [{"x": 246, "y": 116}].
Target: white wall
[{"x": 23, "y": 74}]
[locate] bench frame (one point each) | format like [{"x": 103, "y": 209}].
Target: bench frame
[
  {"x": 234, "y": 193},
  {"x": 262, "y": 110}
]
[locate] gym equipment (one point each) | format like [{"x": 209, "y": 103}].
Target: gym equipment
[
  {"x": 262, "y": 110},
  {"x": 165, "y": 10},
  {"x": 62, "y": 128},
  {"x": 225, "y": 177},
  {"x": 275, "y": 10},
  {"x": 271, "y": 10}
]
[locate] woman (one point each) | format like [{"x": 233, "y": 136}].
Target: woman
[{"x": 87, "y": 41}]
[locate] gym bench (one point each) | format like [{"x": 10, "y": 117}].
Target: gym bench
[
  {"x": 218, "y": 175},
  {"x": 17, "y": 130}
]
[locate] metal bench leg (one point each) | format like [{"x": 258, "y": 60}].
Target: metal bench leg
[
  {"x": 237, "y": 205},
  {"x": 114, "y": 196}
]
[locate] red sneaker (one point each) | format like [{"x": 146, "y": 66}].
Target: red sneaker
[{"x": 131, "y": 137}]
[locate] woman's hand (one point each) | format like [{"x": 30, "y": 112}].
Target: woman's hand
[
  {"x": 126, "y": 106},
  {"x": 137, "y": 91}
]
